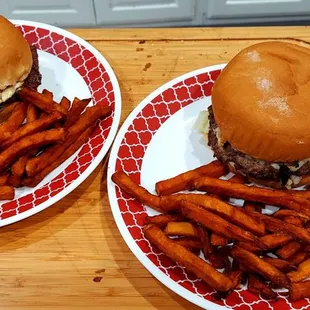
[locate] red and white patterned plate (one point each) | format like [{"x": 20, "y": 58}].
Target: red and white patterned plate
[
  {"x": 73, "y": 68},
  {"x": 157, "y": 141}
]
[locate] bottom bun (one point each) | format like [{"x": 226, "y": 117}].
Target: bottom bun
[{"x": 305, "y": 180}]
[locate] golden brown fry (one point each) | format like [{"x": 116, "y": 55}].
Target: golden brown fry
[
  {"x": 217, "y": 224},
  {"x": 83, "y": 138},
  {"x": 13, "y": 122},
  {"x": 11, "y": 154},
  {"x": 7, "y": 192},
  {"x": 4, "y": 179},
  {"x": 227, "y": 211},
  {"x": 41, "y": 101},
  {"x": 281, "y": 264},
  {"x": 285, "y": 213},
  {"x": 276, "y": 225},
  {"x": 260, "y": 288},
  {"x": 289, "y": 250},
  {"x": 189, "y": 242},
  {"x": 31, "y": 128},
  {"x": 298, "y": 258},
  {"x": 300, "y": 290},
  {"x": 275, "y": 240},
  {"x": 138, "y": 192},
  {"x": 279, "y": 198},
  {"x": 162, "y": 220},
  {"x": 258, "y": 265},
  {"x": 297, "y": 221},
  {"x": 78, "y": 106},
  {"x": 18, "y": 168},
  {"x": 14, "y": 180},
  {"x": 217, "y": 240},
  {"x": 65, "y": 102},
  {"x": 86, "y": 120},
  {"x": 32, "y": 113},
  {"x": 303, "y": 272},
  {"x": 249, "y": 247},
  {"x": 184, "y": 180},
  {"x": 189, "y": 260},
  {"x": 181, "y": 229}
]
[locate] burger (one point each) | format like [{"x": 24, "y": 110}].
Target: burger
[
  {"x": 259, "y": 121},
  {"x": 19, "y": 65}
]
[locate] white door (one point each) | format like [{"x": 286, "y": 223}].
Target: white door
[
  {"x": 257, "y": 8},
  {"x": 56, "y": 12},
  {"x": 135, "y": 12}
]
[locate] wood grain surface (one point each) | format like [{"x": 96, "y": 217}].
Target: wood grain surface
[{"x": 71, "y": 256}]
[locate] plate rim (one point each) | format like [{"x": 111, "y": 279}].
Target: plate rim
[
  {"x": 108, "y": 142},
  {"x": 130, "y": 242}
]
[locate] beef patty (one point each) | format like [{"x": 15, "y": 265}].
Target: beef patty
[
  {"x": 248, "y": 165},
  {"x": 34, "y": 78}
]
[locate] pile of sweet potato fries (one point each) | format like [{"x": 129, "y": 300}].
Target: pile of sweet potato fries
[
  {"x": 37, "y": 134},
  {"x": 241, "y": 245}
]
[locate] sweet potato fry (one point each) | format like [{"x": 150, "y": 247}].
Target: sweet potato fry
[
  {"x": 65, "y": 102},
  {"x": 281, "y": 264},
  {"x": 227, "y": 211},
  {"x": 218, "y": 260},
  {"x": 14, "y": 181},
  {"x": 48, "y": 94},
  {"x": 236, "y": 277},
  {"x": 162, "y": 220},
  {"x": 217, "y": 224},
  {"x": 205, "y": 240},
  {"x": 4, "y": 179},
  {"x": 298, "y": 258},
  {"x": 32, "y": 113},
  {"x": 78, "y": 106},
  {"x": 28, "y": 143},
  {"x": 260, "y": 288},
  {"x": 218, "y": 240},
  {"x": 7, "y": 192},
  {"x": 300, "y": 290},
  {"x": 251, "y": 206},
  {"x": 18, "y": 168},
  {"x": 138, "y": 192},
  {"x": 13, "y": 122},
  {"x": 276, "y": 225},
  {"x": 41, "y": 101},
  {"x": 189, "y": 242},
  {"x": 184, "y": 180},
  {"x": 249, "y": 247},
  {"x": 237, "y": 178},
  {"x": 189, "y": 260},
  {"x": 185, "y": 229},
  {"x": 289, "y": 250},
  {"x": 7, "y": 110},
  {"x": 86, "y": 120},
  {"x": 31, "y": 128},
  {"x": 279, "y": 198},
  {"x": 275, "y": 240},
  {"x": 297, "y": 221},
  {"x": 258, "y": 265},
  {"x": 83, "y": 138},
  {"x": 303, "y": 272},
  {"x": 285, "y": 213}
]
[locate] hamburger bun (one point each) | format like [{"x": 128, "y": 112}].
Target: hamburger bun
[
  {"x": 15, "y": 58},
  {"x": 261, "y": 102}
]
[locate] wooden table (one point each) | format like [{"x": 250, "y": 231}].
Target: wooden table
[{"x": 72, "y": 256}]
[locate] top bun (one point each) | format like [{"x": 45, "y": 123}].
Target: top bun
[
  {"x": 261, "y": 102},
  {"x": 15, "y": 55}
]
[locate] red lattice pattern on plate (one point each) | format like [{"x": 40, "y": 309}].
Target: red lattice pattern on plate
[
  {"x": 101, "y": 88},
  {"x": 129, "y": 159}
]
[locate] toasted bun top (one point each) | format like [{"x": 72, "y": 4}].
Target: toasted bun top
[
  {"x": 15, "y": 55},
  {"x": 261, "y": 102}
]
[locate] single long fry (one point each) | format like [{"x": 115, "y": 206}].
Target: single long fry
[
  {"x": 28, "y": 143},
  {"x": 162, "y": 220},
  {"x": 275, "y": 240},
  {"x": 297, "y": 221},
  {"x": 218, "y": 240},
  {"x": 78, "y": 106},
  {"x": 181, "y": 229},
  {"x": 258, "y": 265},
  {"x": 300, "y": 290},
  {"x": 7, "y": 192},
  {"x": 184, "y": 180},
  {"x": 86, "y": 120},
  {"x": 289, "y": 249},
  {"x": 298, "y": 258},
  {"x": 285, "y": 213},
  {"x": 276, "y": 225},
  {"x": 18, "y": 168},
  {"x": 303, "y": 272},
  {"x": 65, "y": 102},
  {"x": 281, "y": 264},
  {"x": 229, "y": 212},
  {"x": 31, "y": 128},
  {"x": 138, "y": 192},
  {"x": 13, "y": 122},
  {"x": 237, "y": 178},
  {"x": 189, "y": 260},
  {"x": 279, "y": 198},
  {"x": 189, "y": 242},
  {"x": 83, "y": 138},
  {"x": 260, "y": 288},
  {"x": 217, "y": 224},
  {"x": 41, "y": 101},
  {"x": 32, "y": 113}
]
